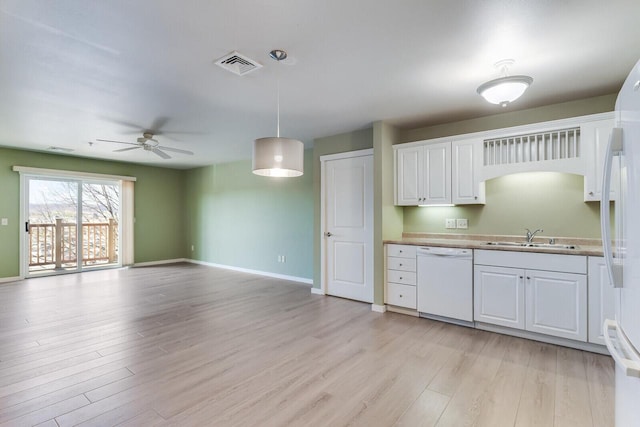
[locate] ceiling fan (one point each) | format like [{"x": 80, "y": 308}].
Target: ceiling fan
[{"x": 148, "y": 143}]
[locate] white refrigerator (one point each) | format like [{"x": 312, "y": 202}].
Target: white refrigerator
[{"x": 622, "y": 256}]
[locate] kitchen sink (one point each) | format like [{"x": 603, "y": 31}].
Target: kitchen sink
[{"x": 533, "y": 245}]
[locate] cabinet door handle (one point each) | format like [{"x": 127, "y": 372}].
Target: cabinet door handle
[
  {"x": 400, "y": 295},
  {"x": 528, "y": 278},
  {"x": 400, "y": 265},
  {"x": 521, "y": 277}
]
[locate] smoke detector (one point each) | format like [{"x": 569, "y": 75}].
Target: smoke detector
[{"x": 237, "y": 63}]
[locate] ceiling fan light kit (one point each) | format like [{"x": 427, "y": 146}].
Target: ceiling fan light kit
[
  {"x": 276, "y": 156},
  {"x": 504, "y": 90}
]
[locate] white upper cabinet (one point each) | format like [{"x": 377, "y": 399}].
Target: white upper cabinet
[
  {"x": 453, "y": 170},
  {"x": 409, "y": 180},
  {"x": 595, "y": 137},
  {"x": 466, "y": 165},
  {"x": 439, "y": 173}
]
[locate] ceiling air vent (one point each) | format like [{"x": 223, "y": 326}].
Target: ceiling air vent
[{"x": 237, "y": 63}]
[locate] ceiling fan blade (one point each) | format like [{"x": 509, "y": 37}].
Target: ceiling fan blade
[
  {"x": 154, "y": 140},
  {"x": 161, "y": 153},
  {"x": 180, "y": 132},
  {"x": 176, "y": 150},
  {"x": 158, "y": 123},
  {"x": 117, "y": 142},
  {"x": 124, "y": 123},
  {"x": 127, "y": 149}
]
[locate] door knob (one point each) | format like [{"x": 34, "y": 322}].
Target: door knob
[{"x": 328, "y": 234}]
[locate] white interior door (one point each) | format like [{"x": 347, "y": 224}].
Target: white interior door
[{"x": 348, "y": 226}]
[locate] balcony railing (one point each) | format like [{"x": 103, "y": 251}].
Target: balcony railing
[{"x": 55, "y": 244}]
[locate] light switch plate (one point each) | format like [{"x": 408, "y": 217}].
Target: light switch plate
[
  {"x": 5, "y": 221},
  {"x": 449, "y": 223},
  {"x": 462, "y": 223}
]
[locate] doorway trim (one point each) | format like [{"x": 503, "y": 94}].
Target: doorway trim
[
  {"x": 31, "y": 172},
  {"x": 323, "y": 217}
]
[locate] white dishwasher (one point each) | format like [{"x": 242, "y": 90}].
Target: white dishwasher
[{"x": 445, "y": 284}]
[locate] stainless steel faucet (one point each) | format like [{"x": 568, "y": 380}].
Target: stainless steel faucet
[{"x": 532, "y": 234}]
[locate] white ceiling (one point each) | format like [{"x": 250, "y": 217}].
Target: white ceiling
[{"x": 75, "y": 71}]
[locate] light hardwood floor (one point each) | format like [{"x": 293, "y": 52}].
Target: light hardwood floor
[{"x": 187, "y": 345}]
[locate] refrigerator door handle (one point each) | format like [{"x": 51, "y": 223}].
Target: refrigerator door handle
[
  {"x": 614, "y": 147},
  {"x": 619, "y": 347}
]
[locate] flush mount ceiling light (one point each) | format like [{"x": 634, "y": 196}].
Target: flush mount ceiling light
[
  {"x": 275, "y": 156},
  {"x": 506, "y": 89}
]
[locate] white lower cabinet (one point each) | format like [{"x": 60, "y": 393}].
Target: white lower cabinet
[
  {"x": 511, "y": 290},
  {"x": 401, "y": 288},
  {"x": 556, "y": 304},
  {"x": 499, "y": 296},
  {"x": 601, "y": 299},
  {"x": 401, "y": 295}
]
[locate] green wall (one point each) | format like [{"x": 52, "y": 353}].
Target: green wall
[
  {"x": 239, "y": 219},
  {"x": 387, "y": 217},
  {"x": 158, "y": 234},
  {"x": 548, "y": 200},
  {"x": 342, "y": 143}
]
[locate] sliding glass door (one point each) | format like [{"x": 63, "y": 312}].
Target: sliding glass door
[
  {"x": 71, "y": 225},
  {"x": 100, "y": 224},
  {"x": 52, "y": 227}
]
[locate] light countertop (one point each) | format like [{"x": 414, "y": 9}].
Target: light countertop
[{"x": 589, "y": 247}]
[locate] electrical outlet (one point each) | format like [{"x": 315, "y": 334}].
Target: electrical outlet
[
  {"x": 284, "y": 258},
  {"x": 462, "y": 223},
  {"x": 193, "y": 248},
  {"x": 5, "y": 221},
  {"x": 449, "y": 223}
]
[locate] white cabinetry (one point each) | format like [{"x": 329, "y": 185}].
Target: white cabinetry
[
  {"x": 544, "y": 293},
  {"x": 401, "y": 276},
  {"x": 556, "y": 304},
  {"x": 409, "y": 176},
  {"x": 594, "y": 138},
  {"x": 601, "y": 299},
  {"x": 437, "y": 174},
  {"x": 466, "y": 165},
  {"x": 425, "y": 172},
  {"x": 499, "y": 296}
]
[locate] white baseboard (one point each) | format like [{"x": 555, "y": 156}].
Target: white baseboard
[
  {"x": 402, "y": 310},
  {"x": 378, "y": 308},
  {"x": 10, "y": 279},
  {"x": 595, "y": 348},
  {"x": 317, "y": 291},
  {"x": 163, "y": 261},
  {"x": 250, "y": 271}
]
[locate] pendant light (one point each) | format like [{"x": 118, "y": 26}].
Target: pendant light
[
  {"x": 276, "y": 156},
  {"x": 506, "y": 89}
]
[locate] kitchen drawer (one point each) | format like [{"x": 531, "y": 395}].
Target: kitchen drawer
[
  {"x": 404, "y": 264},
  {"x": 401, "y": 295},
  {"x": 401, "y": 251},
  {"x": 403, "y": 277}
]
